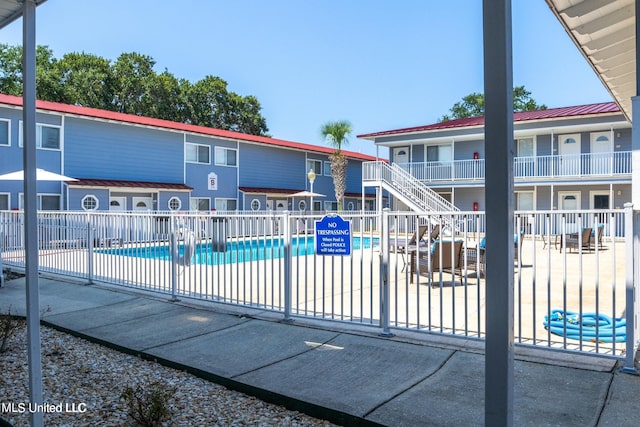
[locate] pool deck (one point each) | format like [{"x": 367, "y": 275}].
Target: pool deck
[{"x": 343, "y": 373}]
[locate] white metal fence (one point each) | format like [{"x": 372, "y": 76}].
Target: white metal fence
[{"x": 406, "y": 270}]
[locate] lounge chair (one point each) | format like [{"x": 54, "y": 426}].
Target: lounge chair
[
  {"x": 404, "y": 245},
  {"x": 596, "y": 237},
  {"x": 477, "y": 255},
  {"x": 440, "y": 258},
  {"x": 578, "y": 240}
]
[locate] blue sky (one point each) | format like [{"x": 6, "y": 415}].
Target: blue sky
[{"x": 381, "y": 64}]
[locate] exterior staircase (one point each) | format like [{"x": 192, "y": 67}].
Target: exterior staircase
[{"x": 405, "y": 187}]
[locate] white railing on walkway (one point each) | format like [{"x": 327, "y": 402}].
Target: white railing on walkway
[
  {"x": 429, "y": 281},
  {"x": 525, "y": 168}
]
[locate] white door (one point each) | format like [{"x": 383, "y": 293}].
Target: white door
[
  {"x": 569, "y": 154},
  {"x": 281, "y": 205},
  {"x": 401, "y": 155},
  {"x": 569, "y": 200},
  {"x": 117, "y": 203},
  {"x": 601, "y": 158},
  {"x": 142, "y": 203}
]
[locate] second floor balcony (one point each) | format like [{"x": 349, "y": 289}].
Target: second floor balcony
[{"x": 537, "y": 168}]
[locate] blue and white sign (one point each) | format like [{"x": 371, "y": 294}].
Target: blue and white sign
[{"x": 333, "y": 236}]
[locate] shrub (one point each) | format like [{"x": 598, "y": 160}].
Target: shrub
[
  {"x": 8, "y": 326},
  {"x": 148, "y": 405}
]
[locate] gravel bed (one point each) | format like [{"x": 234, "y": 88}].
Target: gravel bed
[{"x": 90, "y": 378}]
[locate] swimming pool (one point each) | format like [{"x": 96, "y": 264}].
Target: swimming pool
[{"x": 236, "y": 251}]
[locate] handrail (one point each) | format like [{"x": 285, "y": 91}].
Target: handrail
[
  {"x": 534, "y": 167},
  {"x": 410, "y": 190}
]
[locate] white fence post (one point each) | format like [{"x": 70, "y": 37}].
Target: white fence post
[
  {"x": 631, "y": 315},
  {"x": 173, "y": 239},
  {"x": 288, "y": 263},
  {"x": 384, "y": 275},
  {"x": 89, "y": 249}
]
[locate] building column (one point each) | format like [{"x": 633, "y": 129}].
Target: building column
[{"x": 498, "y": 137}]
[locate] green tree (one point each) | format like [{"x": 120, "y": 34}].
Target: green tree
[
  {"x": 208, "y": 99},
  {"x": 130, "y": 85},
  {"x": 81, "y": 79},
  {"x": 10, "y": 69},
  {"x": 133, "y": 74},
  {"x": 472, "y": 105},
  {"x": 336, "y": 134},
  {"x": 166, "y": 99}
]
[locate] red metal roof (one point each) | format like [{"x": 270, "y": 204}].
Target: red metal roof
[
  {"x": 166, "y": 124},
  {"x": 90, "y": 182},
  {"x": 265, "y": 190},
  {"x": 551, "y": 113}
]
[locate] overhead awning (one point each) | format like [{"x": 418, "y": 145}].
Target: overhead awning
[
  {"x": 10, "y": 10},
  {"x": 128, "y": 185},
  {"x": 604, "y": 31}
]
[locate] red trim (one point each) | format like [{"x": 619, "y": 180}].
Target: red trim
[
  {"x": 551, "y": 113},
  {"x": 265, "y": 190},
  {"x": 90, "y": 182},
  {"x": 166, "y": 124}
]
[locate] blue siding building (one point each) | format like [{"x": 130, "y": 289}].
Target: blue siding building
[{"x": 128, "y": 162}]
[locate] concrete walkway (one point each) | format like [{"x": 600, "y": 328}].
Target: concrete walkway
[{"x": 343, "y": 373}]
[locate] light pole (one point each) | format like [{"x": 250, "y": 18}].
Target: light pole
[{"x": 312, "y": 177}]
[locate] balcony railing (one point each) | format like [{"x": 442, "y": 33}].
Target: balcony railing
[{"x": 527, "y": 168}]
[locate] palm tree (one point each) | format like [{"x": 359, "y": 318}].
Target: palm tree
[{"x": 336, "y": 133}]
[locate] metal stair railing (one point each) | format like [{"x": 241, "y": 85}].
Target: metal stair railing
[{"x": 410, "y": 190}]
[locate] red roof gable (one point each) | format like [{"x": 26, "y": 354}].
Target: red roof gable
[
  {"x": 551, "y": 113},
  {"x": 166, "y": 124}
]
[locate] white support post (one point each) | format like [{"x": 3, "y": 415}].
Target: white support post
[
  {"x": 631, "y": 245},
  {"x": 288, "y": 263},
  {"x": 384, "y": 275}
]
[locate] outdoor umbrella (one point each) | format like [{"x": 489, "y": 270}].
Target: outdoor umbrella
[
  {"x": 41, "y": 175},
  {"x": 306, "y": 193}
]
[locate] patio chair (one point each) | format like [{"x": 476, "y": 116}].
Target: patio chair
[
  {"x": 597, "y": 237},
  {"x": 440, "y": 259},
  {"x": 404, "y": 245},
  {"x": 478, "y": 254},
  {"x": 578, "y": 240}
]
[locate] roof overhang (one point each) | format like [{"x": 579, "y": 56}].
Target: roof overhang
[
  {"x": 604, "y": 31},
  {"x": 114, "y": 184},
  {"x": 11, "y": 10}
]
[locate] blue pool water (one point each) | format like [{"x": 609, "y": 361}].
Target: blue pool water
[{"x": 236, "y": 251}]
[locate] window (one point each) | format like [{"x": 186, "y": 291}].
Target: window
[
  {"x": 330, "y": 206},
  {"x": 315, "y": 165},
  {"x": 524, "y": 201},
  {"x": 439, "y": 153},
  {"x": 200, "y": 204},
  {"x": 327, "y": 168},
  {"x": 350, "y": 206},
  {"x": 302, "y": 205},
  {"x": 226, "y": 156},
  {"x": 255, "y": 205},
  {"x": 197, "y": 153},
  {"x": 4, "y": 202},
  {"x": 4, "y": 132},
  {"x": 47, "y": 137},
  {"x": 174, "y": 204},
  {"x": 45, "y": 202},
  {"x": 226, "y": 204},
  {"x": 90, "y": 203}
]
